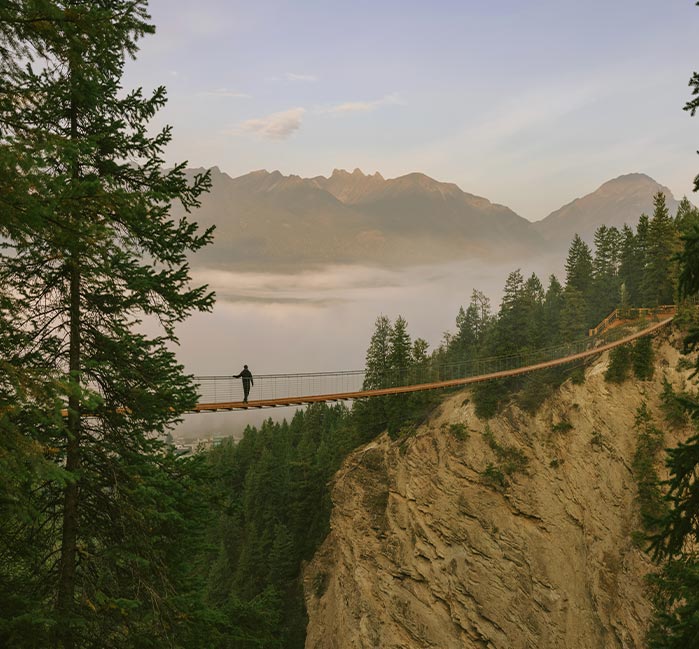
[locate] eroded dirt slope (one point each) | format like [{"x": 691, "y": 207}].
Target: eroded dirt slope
[{"x": 427, "y": 549}]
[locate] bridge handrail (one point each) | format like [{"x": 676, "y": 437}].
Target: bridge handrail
[
  {"x": 628, "y": 313},
  {"x": 386, "y": 391},
  {"x": 479, "y": 360}
]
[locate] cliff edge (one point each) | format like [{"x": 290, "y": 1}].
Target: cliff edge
[{"x": 509, "y": 534}]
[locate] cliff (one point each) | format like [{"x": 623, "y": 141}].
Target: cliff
[{"x": 514, "y": 534}]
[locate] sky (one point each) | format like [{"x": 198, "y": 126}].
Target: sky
[{"x": 529, "y": 104}]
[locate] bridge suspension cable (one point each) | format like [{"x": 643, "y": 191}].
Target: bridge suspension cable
[{"x": 273, "y": 390}]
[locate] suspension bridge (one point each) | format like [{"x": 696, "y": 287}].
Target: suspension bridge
[{"x": 225, "y": 393}]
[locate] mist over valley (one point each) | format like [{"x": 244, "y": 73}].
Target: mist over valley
[{"x": 302, "y": 267}]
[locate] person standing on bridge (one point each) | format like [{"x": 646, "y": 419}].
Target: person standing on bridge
[{"x": 246, "y": 375}]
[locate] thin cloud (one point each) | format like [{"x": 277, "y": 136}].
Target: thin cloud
[
  {"x": 224, "y": 92},
  {"x": 290, "y": 76},
  {"x": 364, "y": 106},
  {"x": 277, "y": 126},
  {"x": 294, "y": 77}
]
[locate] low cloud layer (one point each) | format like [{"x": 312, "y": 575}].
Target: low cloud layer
[{"x": 335, "y": 284}]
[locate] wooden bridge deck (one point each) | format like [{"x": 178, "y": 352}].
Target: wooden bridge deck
[{"x": 363, "y": 394}]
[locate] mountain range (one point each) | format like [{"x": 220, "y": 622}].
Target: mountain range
[{"x": 268, "y": 221}]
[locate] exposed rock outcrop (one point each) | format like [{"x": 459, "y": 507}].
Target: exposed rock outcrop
[{"x": 429, "y": 549}]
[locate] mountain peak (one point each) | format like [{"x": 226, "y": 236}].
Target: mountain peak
[
  {"x": 343, "y": 173},
  {"x": 628, "y": 182},
  {"x": 635, "y": 176},
  {"x": 351, "y": 187},
  {"x": 615, "y": 202}
]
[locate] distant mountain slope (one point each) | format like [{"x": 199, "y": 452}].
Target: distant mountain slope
[
  {"x": 268, "y": 220},
  {"x": 618, "y": 201}
]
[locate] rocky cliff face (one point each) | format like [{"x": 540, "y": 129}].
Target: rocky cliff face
[{"x": 446, "y": 539}]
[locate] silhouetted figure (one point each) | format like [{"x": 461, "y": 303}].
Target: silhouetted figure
[{"x": 246, "y": 375}]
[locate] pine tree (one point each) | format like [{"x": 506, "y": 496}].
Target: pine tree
[
  {"x": 687, "y": 217},
  {"x": 534, "y": 305},
  {"x": 676, "y": 623},
  {"x": 605, "y": 272},
  {"x": 420, "y": 361},
  {"x": 89, "y": 251},
  {"x": 465, "y": 337},
  {"x": 399, "y": 407},
  {"x": 578, "y": 266},
  {"x": 574, "y": 318},
  {"x": 483, "y": 316},
  {"x": 631, "y": 267},
  {"x": 399, "y": 354},
  {"x": 371, "y": 415},
  {"x": 661, "y": 272},
  {"x": 377, "y": 368},
  {"x": 512, "y": 323},
  {"x": 552, "y": 311}
]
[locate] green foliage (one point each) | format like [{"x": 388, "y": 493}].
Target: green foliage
[
  {"x": 275, "y": 512},
  {"x": 672, "y": 406},
  {"x": 676, "y": 597},
  {"x": 577, "y": 375},
  {"x": 494, "y": 476},
  {"x": 649, "y": 442},
  {"x": 606, "y": 281},
  {"x": 459, "y": 431},
  {"x": 643, "y": 359},
  {"x": 684, "y": 363},
  {"x": 510, "y": 459},
  {"x": 562, "y": 426},
  {"x": 676, "y": 623},
  {"x": 320, "y": 583},
  {"x": 579, "y": 266},
  {"x": 620, "y": 361},
  {"x": 552, "y": 312},
  {"x": 687, "y": 217},
  {"x": 660, "y": 275},
  {"x": 539, "y": 386},
  {"x": 596, "y": 439},
  {"x": 487, "y": 397},
  {"x": 98, "y": 516}
]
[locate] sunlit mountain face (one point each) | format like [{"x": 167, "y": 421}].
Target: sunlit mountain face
[{"x": 268, "y": 221}]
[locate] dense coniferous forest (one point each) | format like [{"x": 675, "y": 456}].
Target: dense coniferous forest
[{"x": 110, "y": 540}]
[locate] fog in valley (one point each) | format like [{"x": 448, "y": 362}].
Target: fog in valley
[{"x": 322, "y": 320}]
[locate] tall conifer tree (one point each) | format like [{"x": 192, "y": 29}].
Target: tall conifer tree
[
  {"x": 579, "y": 266},
  {"x": 676, "y": 624},
  {"x": 661, "y": 273},
  {"x": 605, "y": 271},
  {"x": 90, "y": 251},
  {"x": 687, "y": 217}
]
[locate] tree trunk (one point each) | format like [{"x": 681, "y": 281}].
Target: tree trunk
[
  {"x": 65, "y": 637},
  {"x": 66, "y": 584}
]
